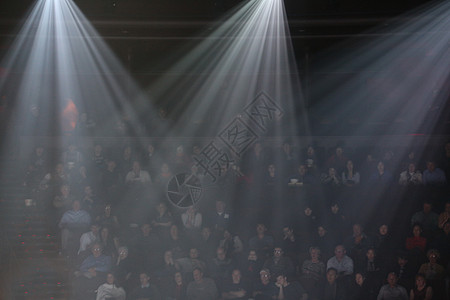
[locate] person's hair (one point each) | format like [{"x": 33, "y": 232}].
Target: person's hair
[
  {"x": 332, "y": 269},
  {"x": 315, "y": 248},
  {"x": 420, "y": 275},
  {"x": 198, "y": 269},
  {"x": 435, "y": 252}
]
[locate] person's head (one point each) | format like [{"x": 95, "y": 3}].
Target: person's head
[
  {"x": 261, "y": 228},
  {"x": 220, "y": 206},
  {"x": 94, "y": 228},
  {"x": 359, "y": 278},
  {"x": 314, "y": 252},
  {"x": 357, "y": 229},
  {"x": 206, "y": 233},
  {"x": 302, "y": 170},
  {"x": 370, "y": 254},
  {"x": 392, "y": 279},
  {"x": 104, "y": 233},
  {"x": 123, "y": 252},
  {"x": 76, "y": 205},
  {"x": 110, "y": 278},
  {"x": 402, "y": 259},
  {"x": 349, "y": 165},
  {"x": 236, "y": 276},
  {"x": 277, "y": 252},
  {"x": 321, "y": 231},
  {"x": 252, "y": 255},
  {"x": 288, "y": 231},
  {"x": 427, "y": 207},
  {"x": 197, "y": 274},
  {"x": 433, "y": 255},
  {"x": 383, "y": 229},
  {"x": 136, "y": 166},
  {"x": 227, "y": 235},
  {"x": 108, "y": 209},
  {"x": 221, "y": 253},
  {"x": 331, "y": 275},
  {"x": 431, "y": 165},
  {"x": 339, "y": 151},
  {"x": 65, "y": 190},
  {"x": 161, "y": 208},
  {"x": 96, "y": 249},
  {"x": 308, "y": 211},
  {"x": 168, "y": 256},
  {"x": 282, "y": 279},
  {"x": 193, "y": 253},
  {"x": 380, "y": 167},
  {"x": 144, "y": 278},
  {"x": 165, "y": 168},
  {"x": 417, "y": 230},
  {"x": 310, "y": 151},
  {"x": 271, "y": 168},
  {"x": 98, "y": 150},
  {"x": 411, "y": 167},
  {"x": 178, "y": 277},
  {"x": 174, "y": 230},
  {"x": 331, "y": 171},
  {"x": 420, "y": 280},
  {"x": 340, "y": 252},
  {"x": 146, "y": 229},
  {"x": 264, "y": 275},
  {"x": 111, "y": 165},
  {"x": 334, "y": 208}
]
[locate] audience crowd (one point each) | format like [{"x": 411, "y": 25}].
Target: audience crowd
[{"x": 280, "y": 224}]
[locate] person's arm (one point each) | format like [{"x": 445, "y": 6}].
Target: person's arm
[
  {"x": 280, "y": 295},
  {"x": 429, "y": 293},
  {"x": 381, "y": 294},
  {"x": 411, "y": 294}
]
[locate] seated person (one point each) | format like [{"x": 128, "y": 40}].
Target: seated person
[
  {"x": 262, "y": 243},
  {"x": 264, "y": 289},
  {"x": 312, "y": 272},
  {"x": 427, "y": 219},
  {"x": 411, "y": 176},
  {"x": 251, "y": 266},
  {"x": 285, "y": 290},
  {"x": 188, "y": 264},
  {"x": 220, "y": 267},
  {"x": 350, "y": 177},
  {"x": 421, "y": 291},
  {"x": 333, "y": 289},
  {"x": 331, "y": 179},
  {"x": 340, "y": 261},
  {"x": 279, "y": 264},
  {"x": 73, "y": 223},
  {"x": 146, "y": 290},
  {"x": 201, "y": 288},
  {"x": 391, "y": 290},
  {"x": 91, "y": 273},
  {"x": 89, "y": 238},
  {"x": 417, "y": 241},
  {"x": 236, "y": 288},
  {"x": 110, "y": 289},
  {"x": 433, "y": 176}
]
